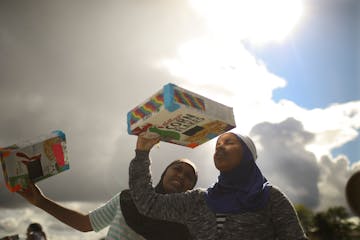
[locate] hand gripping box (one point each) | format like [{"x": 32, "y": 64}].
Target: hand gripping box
[
  {"x": 34, "y": 160},
  {"x": 181, "y": 117}
]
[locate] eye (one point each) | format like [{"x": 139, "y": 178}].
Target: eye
[
  {"x": 219, "y": 143},
  {"x": 226, "y": 142}
]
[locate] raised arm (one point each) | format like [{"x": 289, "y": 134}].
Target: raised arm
[
  {"x": 170, "y": 207},
  {"x": 68, "y": 216}
]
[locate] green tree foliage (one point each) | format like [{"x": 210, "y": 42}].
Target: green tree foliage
[
  {"x": 333, "y": 224},
  {"x": 306, "y": 217}
]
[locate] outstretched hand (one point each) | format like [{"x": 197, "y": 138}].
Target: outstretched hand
[
  {"x": 146, "y": 142},
  {"x": 32, "y": 194}
]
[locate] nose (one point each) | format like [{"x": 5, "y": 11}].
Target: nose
[
  {"x": 180, "y": 175},
  {"x": 219, "y": 145}
]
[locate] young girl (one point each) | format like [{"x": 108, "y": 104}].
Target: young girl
[
  {"x": 241, "y": 205},
  {"x": 120, "y": 213}
]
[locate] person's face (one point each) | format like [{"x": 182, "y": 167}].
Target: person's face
[
  {"x": 179, "y": 177},
  {"x": 228, "y": 152}
]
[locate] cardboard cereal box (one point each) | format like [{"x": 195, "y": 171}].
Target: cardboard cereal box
[
  {"x": 34, "y": 160},
  {"x": 181, "y": 117}
]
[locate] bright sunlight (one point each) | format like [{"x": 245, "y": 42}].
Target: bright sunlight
[
  {"x": 259, "y": 21},
  {"x": 219, "y": 66}
]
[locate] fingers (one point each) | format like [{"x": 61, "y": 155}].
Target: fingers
[
  {"x": 30, "y": 189},
  {"x": 149, "y": 135},
  {"x": 32, "y": 194},
  {"x": 26, "y": 191},
  {"x": 145, "y": 142}
]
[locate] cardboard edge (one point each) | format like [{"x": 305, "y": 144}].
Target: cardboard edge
[{"x": 169, "y": 102}]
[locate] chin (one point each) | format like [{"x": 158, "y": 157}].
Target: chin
[
  {"x": 222, "y": 168},
  {"x": 172, "y": 190},
  {"x": 219, "y": 167}
]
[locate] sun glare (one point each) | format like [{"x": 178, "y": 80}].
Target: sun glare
[
  {"x": 219, "y": 65},
  {"x": 259, "y": 21}
]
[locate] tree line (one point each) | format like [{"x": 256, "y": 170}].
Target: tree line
[{"x": 335, "y": 223}]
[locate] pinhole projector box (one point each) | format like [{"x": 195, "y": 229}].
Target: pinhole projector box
[
  {"x": 181, "y": 117},
  {"x": 34, "y": 160}
]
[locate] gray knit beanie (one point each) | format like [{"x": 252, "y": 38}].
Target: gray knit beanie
[{"x": 249, "y": 143}]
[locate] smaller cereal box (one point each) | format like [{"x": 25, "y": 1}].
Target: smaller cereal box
[
  {"x": 181, "y": 117},
  {"x": 34, "y": 160}
]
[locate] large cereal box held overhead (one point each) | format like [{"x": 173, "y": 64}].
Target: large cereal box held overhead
[{"x": 181, "y": 117}]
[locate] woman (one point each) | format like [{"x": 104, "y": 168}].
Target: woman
[
  {"x": 241, "y": 205},
  {"x": 120, "y": 212}
]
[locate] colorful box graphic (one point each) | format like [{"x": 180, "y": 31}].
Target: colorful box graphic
[
  {"x": 34, "y": 160},
  {"x": 181, "y": 117}
]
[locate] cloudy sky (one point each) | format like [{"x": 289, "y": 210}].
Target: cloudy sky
[{"x": 290, "y": 70}]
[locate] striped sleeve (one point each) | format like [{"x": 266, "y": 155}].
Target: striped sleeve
[
  {"x": 105, "y": 214},
  {"x": 121, "y": 231}
]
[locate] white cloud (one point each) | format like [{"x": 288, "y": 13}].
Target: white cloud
[
  {"x": 223, "y": 69},
  {"x": 227, "y": 72},
  {"x": 334, "y": 175},
  {"x": 19, "y": 219},
  {"x": 284, "y": 159},
  {"x": 9, "y": 224},
  {"x": 333, "y": 126}
]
